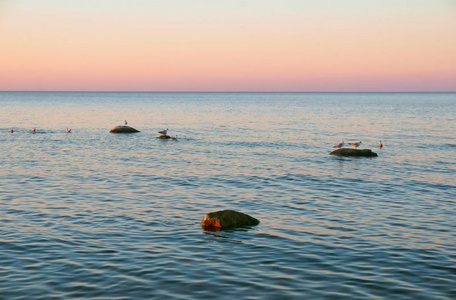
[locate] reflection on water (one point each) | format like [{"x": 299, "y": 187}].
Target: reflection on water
[{"x": 96, "y": 215}]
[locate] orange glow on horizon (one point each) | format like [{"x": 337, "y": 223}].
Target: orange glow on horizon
[{"x": 288, "y": 52}]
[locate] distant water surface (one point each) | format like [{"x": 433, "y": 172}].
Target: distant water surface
[{"x": 94, "y": 215}]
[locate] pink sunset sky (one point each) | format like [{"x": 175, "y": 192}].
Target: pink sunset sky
[{"x": 215, "y": 45}]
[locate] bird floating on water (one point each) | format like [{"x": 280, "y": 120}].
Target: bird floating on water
[
  {"x": 380, "y": 145},
  {"x": 339, "y": 145},
  {"x": 125, "y": 122},
  {"x": 355, "y": 144},
  {"x": 174, "y": 138},
  {"x": 33, "y": 129},
  {"x": 68, "y": 130},
  {"x": 163, "y": 132},
  {"x": 11, "y": 130}
]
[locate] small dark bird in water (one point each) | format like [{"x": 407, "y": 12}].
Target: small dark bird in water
[
  {"x": 11, "y": 130},
  {"x": 174, "y": 138},
  {"x": 380, "y": 145},
  {"x": 125, "y": 122},
  {"x": 33, "y": 129},
  {"x": 68, "y": 130}
]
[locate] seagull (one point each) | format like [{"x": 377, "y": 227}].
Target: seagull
[
  {"x": 11, "y": 130},
  {"x": 355, "y": 144},
  {"x": 340, "y": 145},
  {"x": 174, "y": 138},
  {"x": 125, "y": 122},
  {"x": 380, "y": 145},
  {"x": 163, "y": 132},
  {"x": 33, "y": 129},
  {"x": 68, "y": 130}
]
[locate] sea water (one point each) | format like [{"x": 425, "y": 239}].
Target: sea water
[{"x": 95, "y": 215}]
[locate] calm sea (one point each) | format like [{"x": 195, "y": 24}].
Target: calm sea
[{"x": 95, "y": 215}]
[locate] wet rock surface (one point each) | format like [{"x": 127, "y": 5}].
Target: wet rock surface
[
  {"x": 354, "y": 152},
  {"x": 227, "y": 219},
  {"x": 123, "y": 129}
]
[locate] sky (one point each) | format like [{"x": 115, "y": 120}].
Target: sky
[{"x": 235, "y": 45}]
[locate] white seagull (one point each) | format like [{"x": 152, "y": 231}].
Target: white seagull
[
  {"x": 163, "y": 132},
  {"x": 355, "y": 144},
  {"x": 380, "y": 145},
  {"x": 340, "y": 145}
]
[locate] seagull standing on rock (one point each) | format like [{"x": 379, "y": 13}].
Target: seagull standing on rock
[
  {"x": 340, "y": 145},
  {"x": 355, "y": 144},
  {"x": 163, "y": 132}
]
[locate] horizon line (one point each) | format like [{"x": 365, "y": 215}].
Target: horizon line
[{"x": 259, "y": 91}]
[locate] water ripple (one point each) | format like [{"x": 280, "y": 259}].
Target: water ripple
[{"x": 94, "y": 215}]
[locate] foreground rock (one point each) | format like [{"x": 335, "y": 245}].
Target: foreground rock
[
  {"x": 227, "y": 219},
  {"x": 354, "y": 152},
  {"x": 123, "y": 129}
]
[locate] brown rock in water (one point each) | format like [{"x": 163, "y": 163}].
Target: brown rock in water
[
  {"x": 123, "y": 129},
  {"x": 353, "y": 152},
  {"x": 164, "y": 137},
  {"x": 225, "y": 219}
]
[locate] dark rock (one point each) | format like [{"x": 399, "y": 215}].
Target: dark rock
[
  {"x": 226, "y": 219},
  {"x": 354, "y": 152},
  {"x": 123, "y": 129},
  {"x": 164, "y": 137}
]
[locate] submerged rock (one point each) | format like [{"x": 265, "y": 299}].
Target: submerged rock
[
  {"x": 123, "y": 129},
  {"x": 225, "y": 219},
  {"x": 164, "y": 137},
  {"x": 354, "y": 152}
]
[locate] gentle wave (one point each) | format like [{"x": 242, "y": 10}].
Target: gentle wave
[{"x": 96, "y": 215}]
